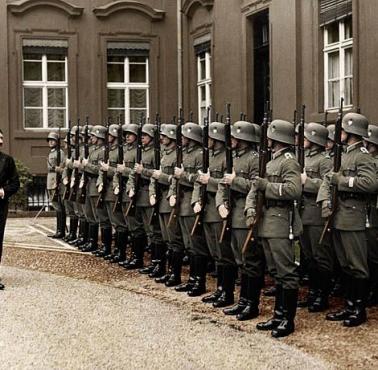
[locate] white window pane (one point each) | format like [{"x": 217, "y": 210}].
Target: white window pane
[
  {"x": 348, "y": 62},
  {"x": 116, "y": 98},
  {"x": 32, "y": 97},
  {"x": 333, "y": 93},
  {"x": 348, "y": 82},
  {"x": 56, "y": 97},
  {"x": 137, "y": 73},
  {"x": 56, "y": 71},
  {"x": 33, "y": 118},
  {"x": 203, "y": 95},
  {"x": 135, "y": 115},
  {"x": 32, "y": 71},
  {"x": 138, "y": 98},
  {"x": 56, "y": 117},
  {"x": 333, "y": 65},
  {"x": 348, "y": 29},
  {"x": 202, "y": 72},
  {"x": 333, "y": 32},
  {"x": 116, "y": 73},
  {"x": 113, "y": 114}
]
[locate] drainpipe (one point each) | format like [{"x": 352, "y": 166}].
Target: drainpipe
[{"x": 179, "y": 56}]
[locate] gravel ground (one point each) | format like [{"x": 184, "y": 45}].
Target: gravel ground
[
  {"x": 53, "y": 322},
  {"x": 336, "y": 345}
]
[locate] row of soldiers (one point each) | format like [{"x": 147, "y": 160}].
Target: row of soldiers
[{"x": 243, "y": 205}]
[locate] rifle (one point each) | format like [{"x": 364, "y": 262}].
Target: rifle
[
  {"x": 180, "y": 123},
  {"x": 56, "y": 197},
  {"x": 118, "y": 203},
  {"x": 205, "y": 168},
  {"x": 157, "y": 158},
  {"x": 301, "y": 151},
  {"x": 263, "y": 160},
  {"x": 83, "y": 192},
  {"x": 101, "y": 199},
  {"x": 66, "y": 194},
  {"x": 229, "y": 168},
  {"x": 138, "y": 159},
  {"x": 338, "y": 149}
]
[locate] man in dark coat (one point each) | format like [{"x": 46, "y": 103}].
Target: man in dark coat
[{"x": 9, "y": 185}]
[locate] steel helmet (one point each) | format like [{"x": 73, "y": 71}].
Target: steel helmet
[
  {"x": 316, "y": 133},
  {"x": 281, "y": 131}
]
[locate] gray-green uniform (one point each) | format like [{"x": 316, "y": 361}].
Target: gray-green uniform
[
  {"x": 372, "y": 221},
  {"x": 320, "y": 256},
  {"x": 279, "y": 224},
  {"x": 195, "y": 245},
  {"x": 355, "y": 180},
  {"x": 252, "y": 263},
  {"x": 171, "y": 234},
  {"x": 51, "y": 185}
]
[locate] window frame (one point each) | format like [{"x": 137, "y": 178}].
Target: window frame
[
  {"x": 340, "y": 48},
  {"x": 206, "y": 82},
  {"x": 44, "y": 84},
  {"x": 126, "y": 86}
]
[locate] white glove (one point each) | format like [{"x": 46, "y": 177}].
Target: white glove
[
  {"x": 223, "y": 211},
  {"x": 228, "y": 178},
  {"x": 131, "y": 193},
  {"x": 68, "y": 161},
  {"x": 138, "y": 168},
  {"x": 303, "y": 177},
  {"x": 197, "y": 207},
  {"x": 156, "y": 174},
  {"x": 84, "y": 162},
  {"x": 121, "y": 168},
  {"x": 153, "y": 200},
  {"x": 204, "y": 177},
  {"x": 172, "y": 200},
  {"x": 179, "y": 171},
  {"x": 104, "y": 166},
  {"x": 2, "y": 193}
]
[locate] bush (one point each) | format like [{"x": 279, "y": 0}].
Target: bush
[{"x": 20, "y": 199}]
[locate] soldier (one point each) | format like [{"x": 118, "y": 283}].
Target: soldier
[
  {"x": 138, "y": 238},
  {"x": 279, "y": 224},
  {"x": 186, "y": 176},
  {"x": 170, "y": 233},
  {"x": 95, "y": 216},
  {"x": 357, "y": 176},
  {"x": 54, "y": 168},
  {"x": 372, "y": 222},
  {"x": 244, "y": 139},
  {"x": 330, "y": 141},
  {"x": 320, "y": 257},
  {"x": 116, "y": 218},
  {"x": 144, "y": 210}
]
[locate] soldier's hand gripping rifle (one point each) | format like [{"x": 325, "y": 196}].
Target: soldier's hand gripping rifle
[
  {"x": 180, "y": 123},
  {"x": 85, "y": 179},
  {"x": 229, "y": 168},
  {"x": 102, "y": 187},
  {"x": 338, "y": 149},
  {"x": 56, "y": 197},
  {"x": 263, "y": 160},
  {"x": 66, "y": 194},
  {"x": 205, "y": 168},
  {"x": 118, "y": 202},
  {"x": 157, "y": 157},
  {"x": 131, "y": 207}
]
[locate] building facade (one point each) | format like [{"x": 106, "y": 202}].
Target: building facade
[{"x": 68, "y": 60}]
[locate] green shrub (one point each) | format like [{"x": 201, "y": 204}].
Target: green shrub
[{"x": 20, "y": 199}]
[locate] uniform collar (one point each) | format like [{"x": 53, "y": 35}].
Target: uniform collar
[
  {"x": 217, "y": 151},
  {"x": 168, "y": 150},
  {"x": 280, "y": 152},
  {"x": 148, "y": 147},
  {"x": 312, "y": 152},
  {"x": 241, "y": 152},
  {"x": 131, "y": 146},
  {"x": 354, "y": 146},
  {"x": 189, "y": 149}
]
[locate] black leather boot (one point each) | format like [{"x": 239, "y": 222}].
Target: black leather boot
[
  {"x": 359, "y": 294},
  {"x": 251, "y": 310},
  {"x": 239, "y": 307},
  {"x": 287, "y": 326},
  {"x": 121, "y": 241},
  {"x": 348, "y": 309},
  {"x": 227, "y": 296},
  {"x": 149, "y": 268},
  {"x": 185, "y": 287},
  {"x": 58, "y": 234},
  {"x": 175, "y": 278},
  {"x": 199, "y": 286},
  {"x": 72, "y": 235},
  {"x": 82, "y": 238},
  {"x": 92, "y": 244},
  {"x": 277, "y": 313},
  {"x": 108, "y": 254},
  {"x": 137, "y": 246},
  {"x": 313, "y": 287},
  {"x": 372, "y": 299},
  {"x": 160, "y": 262},
  {"x": 217, "y": 293},
  {"x": 106, "y": 242},
  {"x": 320, "y": 303},
  {"x": 164, "y": 278}
]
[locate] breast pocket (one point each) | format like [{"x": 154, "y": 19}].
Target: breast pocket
[{"x": 350, "y": 171}]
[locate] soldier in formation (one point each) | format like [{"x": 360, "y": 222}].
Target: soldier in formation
[{"x": 242, "y": 218}]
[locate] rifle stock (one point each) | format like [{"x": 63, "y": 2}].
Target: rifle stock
[{"x": 118, "y": 202}]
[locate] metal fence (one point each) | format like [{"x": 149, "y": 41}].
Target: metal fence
[{"x": 37, "y": 194}]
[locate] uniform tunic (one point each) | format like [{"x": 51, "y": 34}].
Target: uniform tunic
[{"x": 52, "y": 163}]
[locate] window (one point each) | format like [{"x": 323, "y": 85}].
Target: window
[
  {"x": 128, "y": 86},
  {"x": 338, "y": 63},
  {"x": 203, "y": 84},
  {"x": 45, "y": 87}
]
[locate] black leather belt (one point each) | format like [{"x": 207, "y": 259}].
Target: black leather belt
[
  {"x": 343, "y": 195},
  {"x": 277, "y": 203}
]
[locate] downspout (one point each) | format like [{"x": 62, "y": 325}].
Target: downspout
[{"x": 179, "y": 56}]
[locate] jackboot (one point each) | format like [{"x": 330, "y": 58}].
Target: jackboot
[
  {"x": 277, "y": 313},
  {"x": 82, "y": 238},
  {"x": 149, "y": 268},
  {"x": 175, "y": 277},
  {"x": 106, "y": 241},
  {"x": 59, "y": 234},
  {"x": 184, "y": 287},
  {"x": 160, "y": 262},
  {"x": 166, "y": 276},
  {"x": 359, "y": 294},
  {"x": 320, "y": 303},
  {"x": 72, "y": 235},
  {"x": 121, "y": 242},
  {"x": 92, "y": 244},
  {"x": 227, "y": 296},
  {"x": 199, "y": 286},
  {"x": 217, "y": 293},
  {"x": 313, "y": 288},
  {"x": 239, "y": 307},
  {"x": 137, "y": 246},
  {"x": 287, "y": 326},
  {"x": 251, "y": 309},
  {"x": 349, "y": 304},
  {"x": 372, "y": 299}
]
